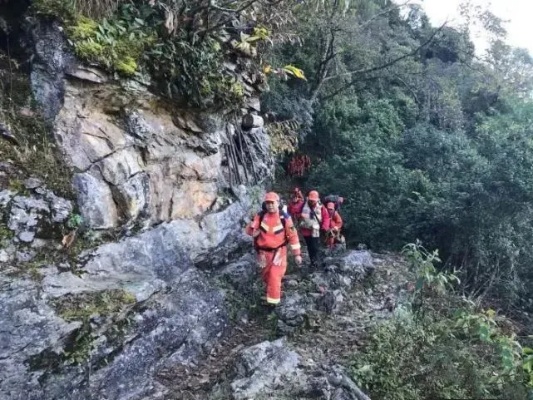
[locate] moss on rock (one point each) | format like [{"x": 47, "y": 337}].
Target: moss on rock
[{"x": 82, "y": 306}]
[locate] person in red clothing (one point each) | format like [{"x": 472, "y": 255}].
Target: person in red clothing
[
  {"x": 333, "y": 234},
  {"x": 272, "y": 231},
  {"x": 314, "y": 218},
  {"x": 296, "y": 204}
]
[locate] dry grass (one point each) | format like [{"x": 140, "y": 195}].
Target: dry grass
[
  {"x": 96, "y": 8},
  {"x": 35, "y": 152}
]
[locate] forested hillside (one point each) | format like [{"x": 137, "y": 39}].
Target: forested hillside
[
  {"x": 425, "y": 138},
  {"x": 428, "y": 140}
]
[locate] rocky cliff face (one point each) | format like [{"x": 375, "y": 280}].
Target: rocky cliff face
[
  {"x": 136, "y": 158},
  {"x": 169, "y": 183}
]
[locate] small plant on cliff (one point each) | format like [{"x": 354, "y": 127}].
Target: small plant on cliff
[
  {"x": 182, "y": 44},
  {"x": 117, "y": 44}
]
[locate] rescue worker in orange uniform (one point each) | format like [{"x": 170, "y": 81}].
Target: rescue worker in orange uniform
[
  {"x": 272, "y": 231},
  {"x": 313, "y": 219},
  {"x": 335, "y": 225},
  {"x": 296, "y": 204}
]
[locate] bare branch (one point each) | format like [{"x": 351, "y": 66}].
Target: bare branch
[
  {"x": 382, "y": 66},
  {"x": 384, "y": 12},
  {"x": 390, "y": 63}
]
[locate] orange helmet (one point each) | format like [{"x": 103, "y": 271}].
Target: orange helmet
[
  {"x": 330, "y": 206},
  {"x": 271, "y": 196},
  {"x": 313, "y": 195}
]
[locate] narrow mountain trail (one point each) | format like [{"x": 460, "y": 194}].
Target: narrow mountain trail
[{"x": 324, "y": 338}]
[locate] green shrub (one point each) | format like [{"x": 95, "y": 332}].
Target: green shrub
[
  {"x": 180, "y": 44},
  {"x": 440, "y": 346}
]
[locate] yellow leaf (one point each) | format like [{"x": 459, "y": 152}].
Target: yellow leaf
[
  {"x": 294, "y": 71},
  {"x": 267, "y": 69}
]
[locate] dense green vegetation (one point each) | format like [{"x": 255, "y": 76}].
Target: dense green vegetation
[
  {"x": 441, "y": 346},
  {"x": 179, "y": 47},
  {"x": 426, "y": 139}
]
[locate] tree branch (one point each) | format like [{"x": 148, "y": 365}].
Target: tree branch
[
  {"x": 388, "y": 10},
  {"x": 390, "y": 63},
  {"x": 379, "y": 67}
]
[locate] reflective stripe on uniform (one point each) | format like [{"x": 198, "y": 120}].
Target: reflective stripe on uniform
[
  {"x": 295, "y": 246},
  {"x": 264, "y": 227},
  {"x": 278, "y": 228},
  {"x": 270, "y": 300}
]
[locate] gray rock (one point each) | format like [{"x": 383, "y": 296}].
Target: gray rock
[
  {"x": 48, "y": 67},
  {"x": 254, "y": 104},
  {"x": 26, "y": 236},
  {"x": 85, "y": 73},
  {"x": 271, "y": 370},
  {"x": 155, "y": 167},
  {"x": 61, "y": 208},
  {"x": 330, "y": 284},
  {"x": 95, "y": 201},
  {"x": 29, "y": 327},
  {"x": 174, "y": 317},
  {"x": 356, "y": 259},
  {"x": 330, "y": 301},
  {"x": 263, "y": 367},
  {"x": 32, "y": 183},
  {"x": 332, "y": 382},
  {"x": 292, "y": 311},
  {"x": 240, "y": 272},
  {"x": 5, "y": 197},
  {"x": 133, "y": 196},
  {"x": 25, "y": 215}
]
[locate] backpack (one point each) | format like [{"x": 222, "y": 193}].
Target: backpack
[{"x": 333, "y": 198}]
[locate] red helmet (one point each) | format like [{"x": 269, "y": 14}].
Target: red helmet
[
  {"x": 313, "y": 195},
  {"x": 271, "y": 196}
]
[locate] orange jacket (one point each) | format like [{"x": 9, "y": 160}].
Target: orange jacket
[
  {"x": 335, "y": 220},
  {"x": 272, "y": 234}
]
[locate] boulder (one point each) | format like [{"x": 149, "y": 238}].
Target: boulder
[
  {"x": 262, "y": 368},
  {"x": 132, "y": 308}
]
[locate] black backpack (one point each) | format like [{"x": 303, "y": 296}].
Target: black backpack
[
  {"x": 282, "y": 214},
  {"x": 333, "y": 198}
]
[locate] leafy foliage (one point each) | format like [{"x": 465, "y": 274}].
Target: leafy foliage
[
  {"x": 182, "y": 45},
  {"x": 422, "y": 139},
  {"x": 440, "y": 346}
]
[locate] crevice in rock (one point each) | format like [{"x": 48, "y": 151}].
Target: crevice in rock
[{"x": 100, "y": 159}]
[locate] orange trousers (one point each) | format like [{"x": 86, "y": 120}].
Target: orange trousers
[{"x": 273, "y": 267}]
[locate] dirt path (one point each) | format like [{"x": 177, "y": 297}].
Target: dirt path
[{"x": 326, "y": 338}]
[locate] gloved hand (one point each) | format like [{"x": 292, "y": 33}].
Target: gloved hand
[{"x": 298, "y": 260}]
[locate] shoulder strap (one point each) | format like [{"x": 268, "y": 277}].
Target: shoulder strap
[{"x": 283, "y": 216}]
